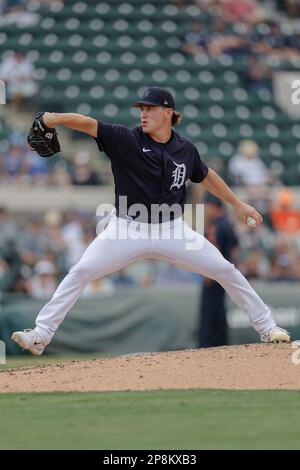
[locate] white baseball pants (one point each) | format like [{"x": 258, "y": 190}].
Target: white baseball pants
[{"x": 124, "y": 241}]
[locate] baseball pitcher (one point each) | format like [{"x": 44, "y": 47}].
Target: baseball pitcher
[{"x": 150, "y": 164}]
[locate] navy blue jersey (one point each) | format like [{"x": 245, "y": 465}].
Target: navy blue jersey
[{"x": 146, "y": 171}]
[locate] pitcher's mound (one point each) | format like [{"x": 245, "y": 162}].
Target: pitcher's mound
[{"x": 250, "y": 366}]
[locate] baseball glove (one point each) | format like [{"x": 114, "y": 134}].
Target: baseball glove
[{"x": 43, "y": 139}]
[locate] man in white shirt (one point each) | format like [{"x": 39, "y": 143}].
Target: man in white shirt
[
  {"x": 18, "y": 73},
  {"x": 246, "y": 168}
]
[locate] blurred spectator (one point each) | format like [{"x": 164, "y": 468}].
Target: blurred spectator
[
  {"x": 59, "y": 175},
  {"x": 123, "y": 278},
  {"x": 256, "y": 75},
  {"x": 20, "y": 284},
  {"x": 180, "y": 3},
  {"x": 293, "y": 41},
  {"x": 261, "y": 198},
  {"x": 14, "y": 166},
  {"x": 219, "y": 231},
  {"x": 83, "y": 174},
  {"x": 217, "y": 164},
  {"x": 16, "y": 13},
  {"x": 223, "y": 40},
  {"x": 60, "y": 238},
  {"x": 291, "y": 7},
  {"x": 197, "y": 190},
  {"x": 4, "y": 270},
  {"x": 245, "y": 11},
  {"x": 195, "y": 39},
  {"x": 19, "y": 75},
  {"x": 8, "y": 227},
  {"x": 88, "y": 234},
  {"x": 9, "y": 266},
  {"x": 285, "y": 263},
  {"x": 273, "y": 42},
  {"x": 9, "y": 6},
  {"x": 56, "y": 242},
  {"x": 20, "y": 165},
  {"x": 165, "y": 273},
  {"x": 98, "y": 288},
  {"x": 246, "y": 168},
  {"x": 73, "y": 236},
  {"x": 37, "y": 168},
  {"x": 285, "y": 217},
  {"x": 256, "y": 251},
  {"x": 141, "y": 273},
  {"x": 239, "y": 29},
  {"x": 44, "y": 282},
  {"x": 32, "y": 241}
]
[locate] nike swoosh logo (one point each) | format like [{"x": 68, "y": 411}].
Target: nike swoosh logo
[{"x": 146, "y": 150}]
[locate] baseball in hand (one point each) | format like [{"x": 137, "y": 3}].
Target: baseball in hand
[{"x": 251, "y": 221}]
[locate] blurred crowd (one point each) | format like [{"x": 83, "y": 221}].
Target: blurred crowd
[
  {"x": 8, "y": 7},
  {"x": 36, "y": 252},
  {"x": 19, "y": 165},
  {"x": 11, "y": 6},
  {"x": 244, "y": 30},
  {"x": 19, "y": 74},
  {"x": 21, "y": 12},
  {"x": 271, "y": 251},
  {"x": 290, "y": 7}
]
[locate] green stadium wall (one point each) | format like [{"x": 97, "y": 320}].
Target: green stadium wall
[{"x": 143, "y": 320}]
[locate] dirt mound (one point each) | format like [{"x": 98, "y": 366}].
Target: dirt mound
[{"x": 250, "y": 366}]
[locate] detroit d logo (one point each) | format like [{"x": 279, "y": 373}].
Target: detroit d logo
[{"x": 178, "y": 175}]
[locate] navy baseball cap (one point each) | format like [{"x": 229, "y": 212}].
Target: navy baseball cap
[{"x": 156, "y": 96}]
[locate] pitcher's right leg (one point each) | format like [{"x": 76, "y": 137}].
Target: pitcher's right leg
[{"x": 104, "y": 256}]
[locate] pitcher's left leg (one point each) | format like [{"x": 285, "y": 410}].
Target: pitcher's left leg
[{"x": 195, "y": 253}]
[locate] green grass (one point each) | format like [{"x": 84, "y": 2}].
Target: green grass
[
  {"x": 190, "y": 419},
  {"x": 13, "y": 362}
]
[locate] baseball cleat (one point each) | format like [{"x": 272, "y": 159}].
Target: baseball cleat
[
  {"x": 275, "y": 335},
  {"x": 29, "y": 339}
]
